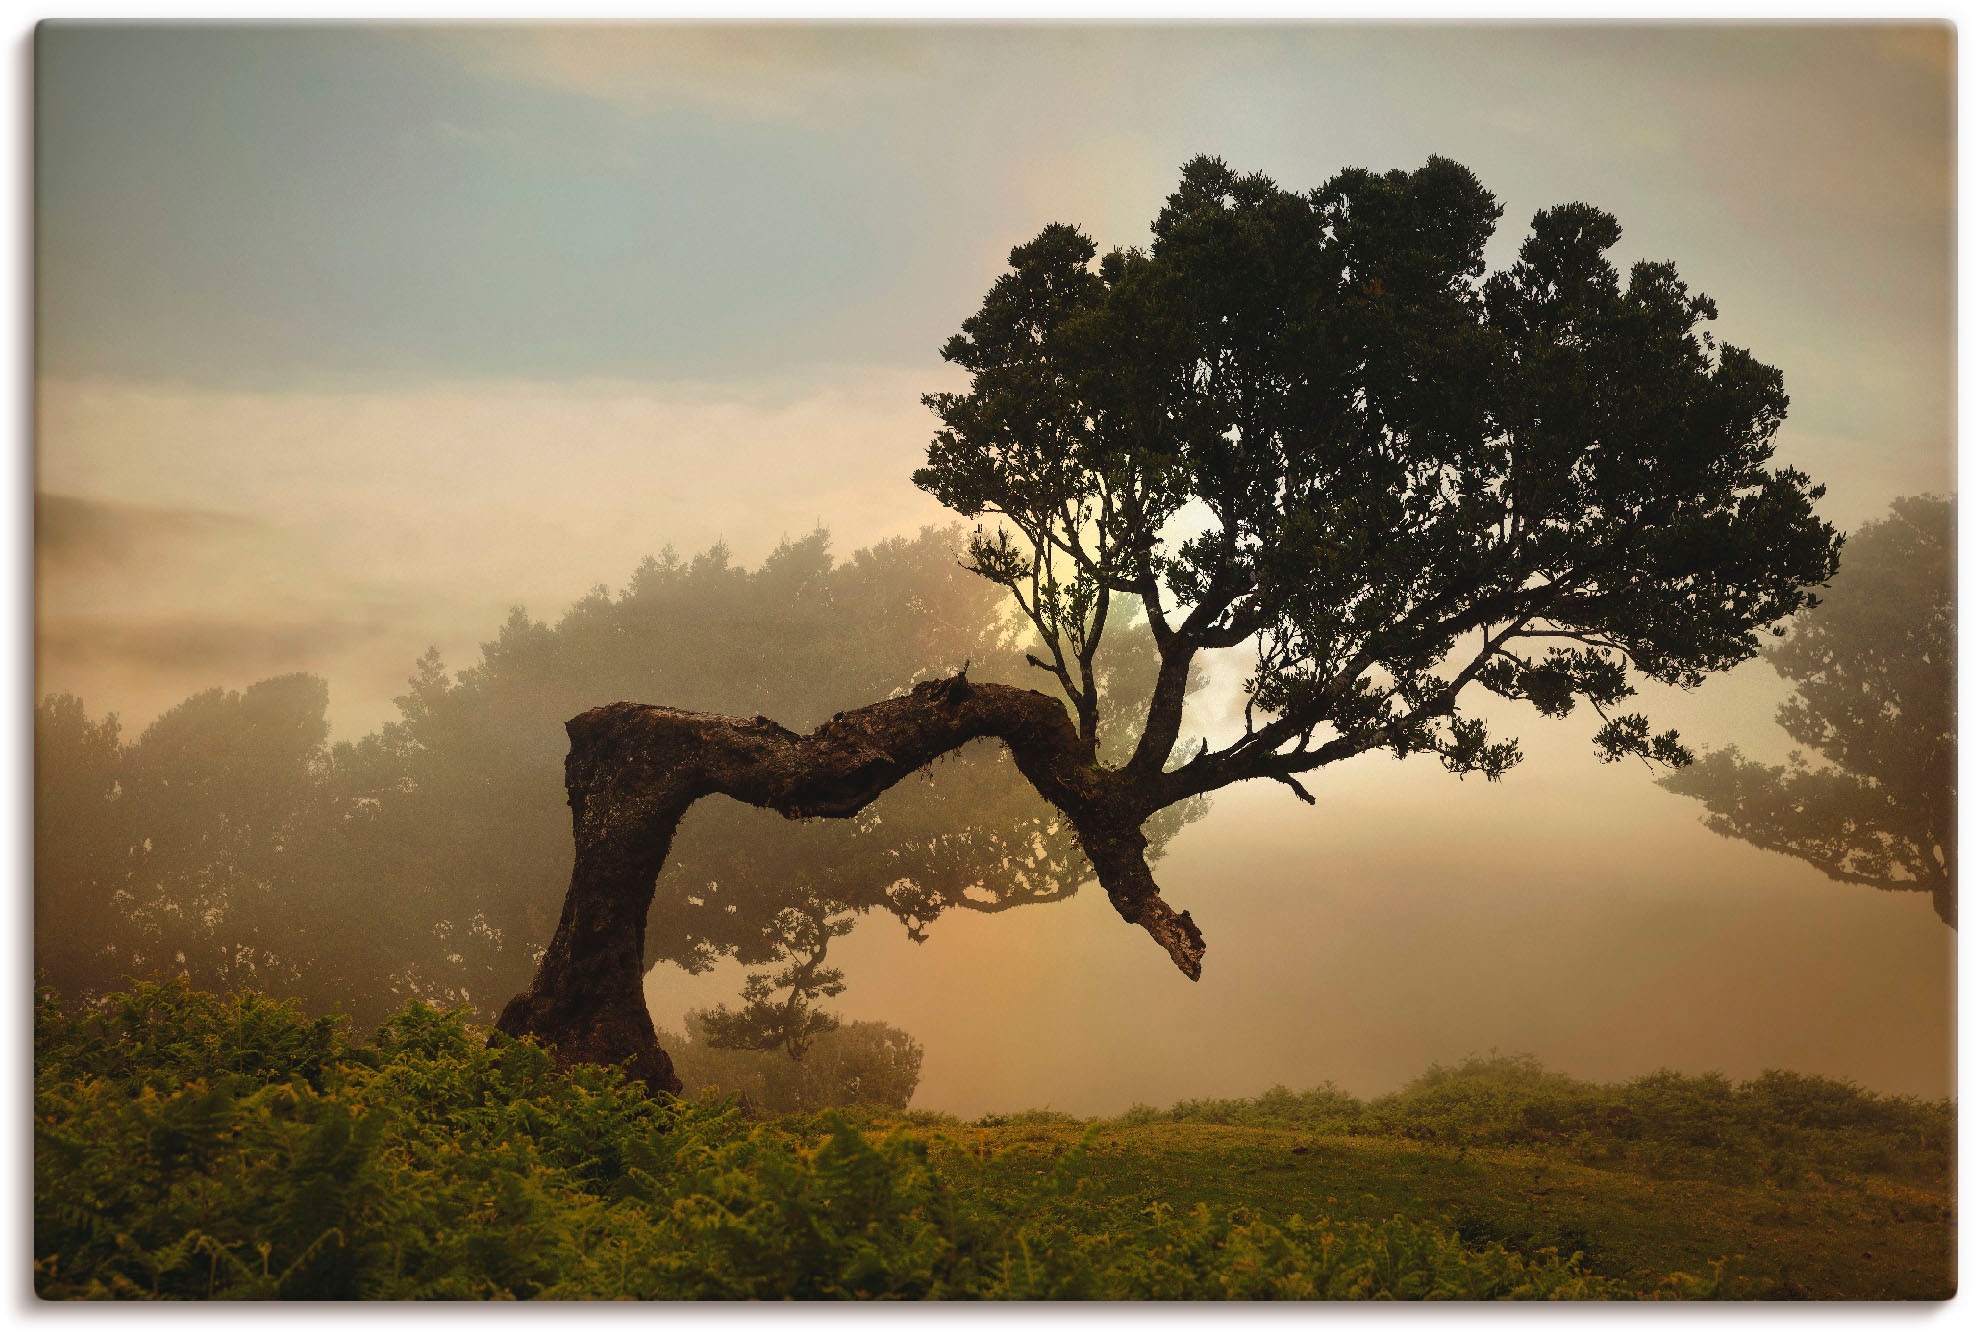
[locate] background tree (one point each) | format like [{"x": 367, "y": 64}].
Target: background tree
[
  {"x": 187, "y": 851},
  {"x": 1872, "y": 668},
  {"x": 84, "y": 935},
  {"x": 1307, "y": 423},
  {"x": 854, "y": 1064}
]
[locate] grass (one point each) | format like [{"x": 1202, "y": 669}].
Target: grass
[
  {"x": 194, "y": 1146},
  {"x": 1868, "y": 1238},
  {"x": 1786, "y": 1186}
]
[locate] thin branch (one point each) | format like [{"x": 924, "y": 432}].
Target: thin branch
[{"x": 1297, "y": 790}]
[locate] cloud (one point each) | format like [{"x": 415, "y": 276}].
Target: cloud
[
  {"x": 72, "y": 532},
  {"x": 219, "y": 645},
  {"x": 763, "y": 71},
  {"x": 360, "y": 528}
]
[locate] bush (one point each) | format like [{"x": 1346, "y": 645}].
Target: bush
[
  {"x": 1279, "y": 1107},
  {"x": 1042, "y": 1115},
  {"x": 854, "y": 1064},
  {"x": 1783, "y": 1127}
]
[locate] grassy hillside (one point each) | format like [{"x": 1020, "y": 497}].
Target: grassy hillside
[
  {"x": 1856, "y": 1240},
  {"x": 193, "y": 1146}
]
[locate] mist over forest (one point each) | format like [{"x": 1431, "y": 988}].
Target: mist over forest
[
  {"x": 233, "y": 841},
  {"x": 475, "y": 378},
  {"x": 1151, "y": 661}
]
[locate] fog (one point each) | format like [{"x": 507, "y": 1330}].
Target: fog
[
  {"x": 1572, "y": 911},
  {"x": 336, "y": 497},
  {"x": 345, "y": 533}
]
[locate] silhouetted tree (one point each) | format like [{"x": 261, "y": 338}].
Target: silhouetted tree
[
  {"x": 84, "y": 936},
  {"x": 1308, "y": 423},
  {"x": 186, "y": 851},
  {"x": 1873, "y": 669},
  {"x": 805, "y": 931}
]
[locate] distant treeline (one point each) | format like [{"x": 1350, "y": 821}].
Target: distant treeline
[{"x": 230, "y": 844}]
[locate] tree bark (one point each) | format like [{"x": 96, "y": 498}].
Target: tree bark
[{"x": 634, "y": 769}]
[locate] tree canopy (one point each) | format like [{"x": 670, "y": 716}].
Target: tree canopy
[
  {"x": 1313, "y": 423},
  {"x": 1307, "y": 424},
  {"x": 1873, "y": 668}
]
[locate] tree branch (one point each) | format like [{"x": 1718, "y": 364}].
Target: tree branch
[
  {"x": 1297, "y": 789},
  {"x": 633, "y": 771}
]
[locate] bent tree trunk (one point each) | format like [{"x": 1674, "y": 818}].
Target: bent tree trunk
[{"x": 633, "y": 771}]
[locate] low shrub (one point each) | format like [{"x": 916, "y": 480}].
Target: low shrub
[
  {"x": 861, "y": 1063},
  {"x": 1790, "y": 1129}
]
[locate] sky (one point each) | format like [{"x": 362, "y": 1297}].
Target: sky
[{"x": 348, "y": 339}]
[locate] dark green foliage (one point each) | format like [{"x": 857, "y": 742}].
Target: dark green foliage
[
  {"x": 1873, "y": 668},
  {"x": 1043, "y": 1115},
  {"x": 167, "y": 1034},
  {"x": 193, "y": 1147},
  {"x": 1313, "y": 423},
  {"x": 1278, "y": 1106}
]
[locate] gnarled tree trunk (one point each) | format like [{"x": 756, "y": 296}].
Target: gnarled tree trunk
[{"x": 634, "y": 770}]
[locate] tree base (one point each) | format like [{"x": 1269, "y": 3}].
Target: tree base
[{"x": 619, "y": 1032}]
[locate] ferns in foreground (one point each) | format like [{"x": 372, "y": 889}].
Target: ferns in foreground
[{"x": 189, "y": 1146}]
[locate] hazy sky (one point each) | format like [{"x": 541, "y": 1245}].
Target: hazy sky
[{"x": 348, "y": 339}]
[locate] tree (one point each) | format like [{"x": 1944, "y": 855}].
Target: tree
[
  {"x": 1872, "y": 668},
  {"x": 1308, "y": 423},
  {"x": 463, "y": 809},
  {"x": 184, "y": 851},
  {"x": 233, "y": 845},
  {"x": 83, "y": 934}
]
